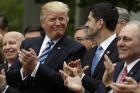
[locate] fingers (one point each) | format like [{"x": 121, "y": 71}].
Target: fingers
[
  {"x": 124, "y": 88},
  {"x": 32, "y": 51},
  {"x": 107, "y": 60},
  {"x": 63, "y": 74},
  {"x": 76, "y": 63},
  {"x": 114, "y": 87},
  {"x": 108, "y": 64},
  {"x": 3, "y": 72},
  {"x": 66, "y": 67},
  {"x": 130, "y": 80},
  {"x": 23, "y": 54}
]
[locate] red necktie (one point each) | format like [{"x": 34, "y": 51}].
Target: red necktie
[{"x": 124, "y": 73}]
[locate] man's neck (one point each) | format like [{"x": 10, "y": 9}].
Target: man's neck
[{"x": 104, "y": 35}]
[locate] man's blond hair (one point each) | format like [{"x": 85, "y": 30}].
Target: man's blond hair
[{"x": 54, "y": 6}]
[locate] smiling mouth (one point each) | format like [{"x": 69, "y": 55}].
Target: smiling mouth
[{"x": 9, "y": 53}]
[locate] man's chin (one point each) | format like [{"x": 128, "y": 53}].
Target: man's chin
[
  {"x": 57, "y": 36},
  {"x": 122, "y": 56}
]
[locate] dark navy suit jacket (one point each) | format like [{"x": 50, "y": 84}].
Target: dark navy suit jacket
[
  {"x": 47, "y": 79},
  {"x": 112, "y": 53}
]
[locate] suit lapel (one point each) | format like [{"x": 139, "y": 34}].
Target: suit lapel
[
  {"x": 117, "y": 70},
  {"x": 38, "y": 45},
  {"x": 56, "y": 49},
  {"x": 134, "y": 70},
  {"x": 90, "y": 54},
  {"x": 112, "y": 48}
]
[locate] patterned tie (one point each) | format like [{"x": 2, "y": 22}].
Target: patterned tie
[
  {"x": 45, "y": 52},
  {"x": 124, "y": 73},
  {"x": 96, "y": 58}
]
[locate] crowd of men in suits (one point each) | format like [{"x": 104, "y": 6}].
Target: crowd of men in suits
[{"x": 56, "y": 63}]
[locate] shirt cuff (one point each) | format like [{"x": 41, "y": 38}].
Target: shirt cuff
[
  {"x": 5, "y": 89},
  {"x": 33, "y": 74},
  {"x": 21, "y": 73},
  {"x": 82, "y": 76}
]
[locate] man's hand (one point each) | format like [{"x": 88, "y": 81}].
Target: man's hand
[
  {"x": 74, "y": 64},
  {"x": 2, "y": 78},
  {"x": 28, "y": 60},
  {"x": 109, "y": 69},
  {"x": 72, "y": 82},
  {"x": 129, "y": 86}
]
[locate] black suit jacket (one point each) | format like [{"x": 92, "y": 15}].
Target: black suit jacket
[
  {"x": 47, "y": 79},
  {"x": 11, "y": 90},
  {"x": 134, "y": 72},
  {"x": 112, "y": 53},
  {"x": 94, "y": 82}
]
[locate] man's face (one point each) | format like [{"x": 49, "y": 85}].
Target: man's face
[
  {"x": 129, "y": 43},
  {"x": 55, "y": 24},
  {"x": 119, "y": 26},
  {"x": 80, "y": 36},
  {"x": 11, "y": 46},
  {"x": 92, "y": 24}
]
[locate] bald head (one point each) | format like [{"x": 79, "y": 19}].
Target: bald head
[
  {"x": 11, "y": 45},
  {"x": 15, "y": 35}
]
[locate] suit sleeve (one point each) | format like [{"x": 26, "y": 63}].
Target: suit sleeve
[
  {"x": 11, "y": 90},
  {"x": 93, "y": 85},
  {"x": 47, "y": 74}
]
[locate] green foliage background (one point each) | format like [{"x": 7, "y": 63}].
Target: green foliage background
[{"x": 13, "y": 9}]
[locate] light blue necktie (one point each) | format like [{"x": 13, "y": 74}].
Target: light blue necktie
[
  {"x": 45, "y": 52},
  {"x": 96, "y": 59}
]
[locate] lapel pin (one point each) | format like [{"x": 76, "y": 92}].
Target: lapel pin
[
  {"x": 59, "y": 48},
  {"x": 108, "y": 52}
]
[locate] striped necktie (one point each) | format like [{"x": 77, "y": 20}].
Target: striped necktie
[{"x": 45, "y": 52}]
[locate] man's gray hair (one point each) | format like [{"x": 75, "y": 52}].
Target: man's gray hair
[
  {"x": 54, "y": 6},
  {"x": 123, "y": 14}
]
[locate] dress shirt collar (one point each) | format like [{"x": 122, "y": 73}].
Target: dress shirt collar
[
  {"x": 46, "y": 39},
  {"x": 131, "y": 65},
  {"x": 108, "y": 41}
]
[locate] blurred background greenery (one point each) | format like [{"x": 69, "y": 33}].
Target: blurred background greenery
[{"x": 14, "y": 10}]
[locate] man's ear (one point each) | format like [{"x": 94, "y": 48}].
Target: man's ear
[
  {"x": 42, "y": 23},
  {"x": 67, "y": 19},
  {"x": 100, "y": 23}
]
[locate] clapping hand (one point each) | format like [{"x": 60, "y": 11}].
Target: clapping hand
[
  {"x": 129, "y": 86},
  {"x": 109, "y": 69},
  {"x": 28, "y": 60}
]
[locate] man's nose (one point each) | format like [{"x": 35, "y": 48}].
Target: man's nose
[
  {"x": 58, "y": 22},
  {"x": 120, "y": 42}
]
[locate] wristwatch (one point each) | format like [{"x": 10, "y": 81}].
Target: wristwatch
[{"x": 2, "y": 87}]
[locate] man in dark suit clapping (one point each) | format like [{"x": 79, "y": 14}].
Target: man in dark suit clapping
[
  {"x": 129, "y": 51},
  {"x": 32, "y": 74}
]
